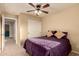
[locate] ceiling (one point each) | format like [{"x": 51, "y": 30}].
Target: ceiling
[{"x": 17, "y": 8}]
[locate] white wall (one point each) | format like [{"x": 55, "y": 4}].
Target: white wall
[{"x": 67, "y": 20}]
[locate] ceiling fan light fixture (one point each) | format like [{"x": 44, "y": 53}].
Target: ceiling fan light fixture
[
  {"x": 38, "y": 8},
  {"x": 37, "y": 12}
]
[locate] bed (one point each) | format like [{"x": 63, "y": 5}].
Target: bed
[{"x": 44, "y": 46}]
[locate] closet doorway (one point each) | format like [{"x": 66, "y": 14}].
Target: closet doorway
[
  {"x": 9, "y": 31},
  {"x": 34, "y": 28}
]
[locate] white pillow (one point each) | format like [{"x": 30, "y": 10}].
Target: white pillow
[
  {"x": 49, "y": 34},
  {"x": 59, "y": 34}
]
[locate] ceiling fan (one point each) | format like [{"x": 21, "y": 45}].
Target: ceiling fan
[{"x": 38, "y": 8}]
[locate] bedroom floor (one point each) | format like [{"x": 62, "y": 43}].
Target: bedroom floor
[
  {"x": 12, "y": 49},
  {"x": 73, "y": 54}
]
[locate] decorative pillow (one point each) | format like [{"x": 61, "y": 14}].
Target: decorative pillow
[
  {"x": 65, "y": 36},
  {"x": 59, "y": 34},
  {"x": 49, "y": 34},
  {"x": 53, "y": 32}
]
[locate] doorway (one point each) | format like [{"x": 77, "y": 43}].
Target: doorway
[{"x": 9, "y": 31}]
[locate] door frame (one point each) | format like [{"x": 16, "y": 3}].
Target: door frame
[{"x": 3, "y": 30}]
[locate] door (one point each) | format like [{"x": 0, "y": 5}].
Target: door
[
  {"x": 3, "y": 32},
  {"x": 0, "y": 33},
  {"x": 34, "y": 28}
]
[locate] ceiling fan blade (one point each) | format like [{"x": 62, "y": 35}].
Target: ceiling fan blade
[
  {"x": 44, "y": 11},
  {"x": 30, "y": 10},
  {"x": 31, "y": 5},
  {"x": 46, "y": 5}
]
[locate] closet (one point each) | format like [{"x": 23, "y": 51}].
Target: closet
[{"x": 30, "y": 26}]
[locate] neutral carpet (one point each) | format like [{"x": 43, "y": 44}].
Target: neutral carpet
[
  {"x": 11, "y": 49},
  {"x": 73, "y": 54}
]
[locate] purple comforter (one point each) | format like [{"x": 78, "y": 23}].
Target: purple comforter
[{"x": 43, "y": 46}]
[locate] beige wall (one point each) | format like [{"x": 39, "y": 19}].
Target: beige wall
[
  {"x": 9, "y": 15},
  {"x": 67, "y": 20},
  {"x": 23, "y": 24}
]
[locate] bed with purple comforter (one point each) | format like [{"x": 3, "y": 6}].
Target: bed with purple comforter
[{"x": 43, "y": 46}]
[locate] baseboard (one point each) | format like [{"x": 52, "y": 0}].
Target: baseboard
[{"x": 75, "y": 51}]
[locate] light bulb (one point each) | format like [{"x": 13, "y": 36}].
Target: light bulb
[
  {"x": 36, "y": 11},
  {"x": 39, "y": 12}
]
